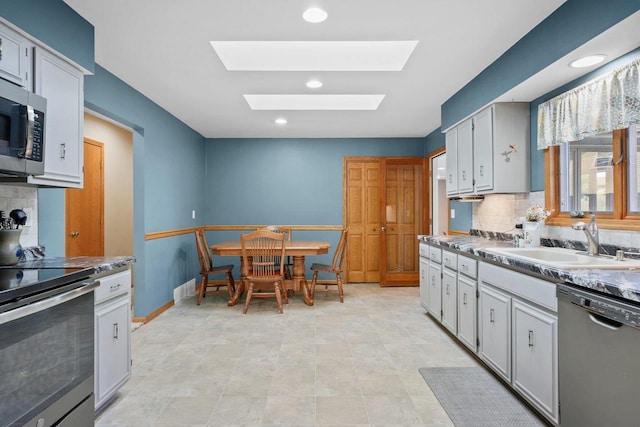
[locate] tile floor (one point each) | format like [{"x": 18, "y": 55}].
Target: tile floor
[{"x": 351, "y": 364}]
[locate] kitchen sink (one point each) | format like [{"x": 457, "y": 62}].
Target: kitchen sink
[{"x": 565, "y": 258}]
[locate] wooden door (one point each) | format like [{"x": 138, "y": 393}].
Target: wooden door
[
  {"x": 362, "y": 216},
  {"x": 403, "y": 216},
  {"x": 85, "y": 207}
]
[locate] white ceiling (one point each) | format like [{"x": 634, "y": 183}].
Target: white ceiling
[{"x": 162, "y": 48}]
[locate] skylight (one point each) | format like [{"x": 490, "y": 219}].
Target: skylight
[
  {"x": 314, "y": 102},
  {"x": 314, "y": 55}
]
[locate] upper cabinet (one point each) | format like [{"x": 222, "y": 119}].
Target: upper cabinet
[
  {"x": 15, "y": 57},
  {"x": 62, "y": 85},
  {"x": 490, "y": 152},
  {"x": 24, "y": 61}
]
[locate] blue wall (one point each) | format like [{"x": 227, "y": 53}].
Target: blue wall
[{"x": 55, "y": 23}]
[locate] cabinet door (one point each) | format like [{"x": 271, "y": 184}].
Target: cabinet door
[
  {"x": 483, "y": 150},
  {"x": 495, "y": 330},
  {"x": 467, "y": 308},
  {"x": 435, "y": 290},
  {"x": 449, "y": 300},
  {"x": 451, "y": 142},
  {"x": 424, "y": 282},
  {"x": 465, "y": 157},
  {"x": 62, "y": 85},
  {"x": 15, "y": 57},
  {"x": 113, "y": 347},
  {"x": 535, "y": 356}
]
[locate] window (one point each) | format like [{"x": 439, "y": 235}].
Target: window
[{"x": 598, "y": 174}]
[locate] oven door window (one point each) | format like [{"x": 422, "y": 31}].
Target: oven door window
[{"x": 44, "y": 356}]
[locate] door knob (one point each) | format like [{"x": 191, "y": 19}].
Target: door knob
[
  {"x": 383, "y": 228},
  {"x": 74, "y": 233}
]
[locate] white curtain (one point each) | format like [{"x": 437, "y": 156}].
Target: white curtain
[{"x": 604, "y": 104}]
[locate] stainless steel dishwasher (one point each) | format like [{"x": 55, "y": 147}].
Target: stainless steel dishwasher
[{"x": 599, "y": 355}]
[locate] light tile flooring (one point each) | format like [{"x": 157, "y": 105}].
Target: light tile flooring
[{"x": 351, "y": 364}]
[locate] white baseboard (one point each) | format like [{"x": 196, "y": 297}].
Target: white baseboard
[{"x": 185, "y": 290}]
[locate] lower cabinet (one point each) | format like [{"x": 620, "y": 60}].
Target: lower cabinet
[
  {"x": 467, "y": 312},
  {"x": 495, "y": 330},
  {"x": 424, "y": 282},
  {"x": 449, "y": 300},
  {"x": 518, "y": 329},
  {"x": 112, "y": 335},
  {"x": 535, "y": 365},
  {"x": 435, "y": 290}
]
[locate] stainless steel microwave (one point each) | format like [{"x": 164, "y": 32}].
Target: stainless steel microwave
[{"x": 22, "y": 136}]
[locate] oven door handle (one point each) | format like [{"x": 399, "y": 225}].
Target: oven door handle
[{"x": 47, "y": 303}]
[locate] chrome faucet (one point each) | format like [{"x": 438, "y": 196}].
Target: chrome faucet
[{"x": 591, "y": 231}]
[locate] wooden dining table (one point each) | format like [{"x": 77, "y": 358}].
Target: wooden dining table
[{"x": 297, "y": 249}]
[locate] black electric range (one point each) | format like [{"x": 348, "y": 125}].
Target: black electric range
[{"x": 17, "y": 284}]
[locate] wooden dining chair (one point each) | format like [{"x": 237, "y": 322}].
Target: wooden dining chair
[
  {"x": 335, "y": 267},
  {"x": 263, "y": 265},
  {"x": 288, "y": 266},
  {"x": 207, "y": 268}
]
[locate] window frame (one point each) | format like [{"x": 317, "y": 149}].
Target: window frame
[{"x": 620, "y": 218}]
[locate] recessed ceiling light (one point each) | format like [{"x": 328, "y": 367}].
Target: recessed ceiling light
[
  {"x": 587, "y": 61},
  {"x": 314, "y": 15},
  {"x": 314, "y": 102},
  {"x": 314, "y": 84},
  {"x": 314, "y": 55},
  {"x": 281, "y": 121}
]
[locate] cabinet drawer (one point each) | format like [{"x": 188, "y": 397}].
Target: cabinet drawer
[
  {"x": 435, "y": 254},
  {"x": 113, "y": 285},
  {"x": 467, "y": 266},
  {"x": 450, "y": 260},
  {"x": 424, "y": 250}
]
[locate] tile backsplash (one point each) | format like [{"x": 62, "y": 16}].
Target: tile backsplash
[
  {"x": 500, "y": 212},
  {"x": 25, "y": 198}
]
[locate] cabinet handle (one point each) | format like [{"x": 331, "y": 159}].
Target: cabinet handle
[
  {"x": 0, "y": 49},
  {"x": 115, "y": 331},
  {"x": 115, "y": 287},
  {"x": 464, "y": 175},
  {"x": 450, "y": 179},
  {"x": 447, "y": 289},
  {"x": 422, "y": 274},
  {"x": 530, "y": 338},
  {"x": 481, "y": 170},
  {"x": 492, "y": 316},
  {"x": 433, "y": 280},
  {"x": 464, "y": 299},
  {"x": 63, "y": 151}
]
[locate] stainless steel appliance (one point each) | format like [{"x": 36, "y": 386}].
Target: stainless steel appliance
[
  {"x": 598, "y": 350},
  {"x": 46, "y": 348},
  {"x": 22, "y": 125}
]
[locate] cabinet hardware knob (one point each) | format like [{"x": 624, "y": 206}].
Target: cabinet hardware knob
[{"x": 530, "y": 338}]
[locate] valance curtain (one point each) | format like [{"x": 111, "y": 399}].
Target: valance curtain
[{"x": 604, "y": 104}]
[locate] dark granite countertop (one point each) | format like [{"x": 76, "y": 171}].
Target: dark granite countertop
[
  {"x": 621, "y": 283},
  {"x": 99, "y": 264}
]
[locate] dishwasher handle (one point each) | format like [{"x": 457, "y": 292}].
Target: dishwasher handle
[{"x": 605, "y": 322}]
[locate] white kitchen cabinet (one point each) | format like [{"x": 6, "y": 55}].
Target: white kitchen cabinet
[
  {"x": 491, "y": 151},
  {"x": 535, "y": 362},
  {"x": 424, "y": 282},
  {"x": 435, "y": 290},
  {"x": 459, "y": 145},
  {"x": 63, "y": 86},
  {"x": 15, "y": 57},
  {"x": 451, "y": 146},
  {"x": 467, "y": 311},
  {"x": 112, "y": 335},
  {"x": 449, "y": 300},
  {"x": 494, "y": 319}
]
